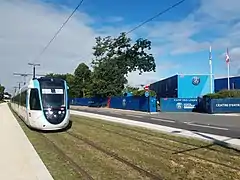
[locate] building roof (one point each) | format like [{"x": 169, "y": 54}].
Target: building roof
[
  {"x": 225, "y": 77},
  {"x": 179, "y": 74}
]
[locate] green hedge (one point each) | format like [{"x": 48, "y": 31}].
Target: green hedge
[
  {"x": 142, "y": 93},
  {"x": 224, "y": 94}
]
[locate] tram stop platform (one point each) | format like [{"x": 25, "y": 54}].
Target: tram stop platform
[{"x": 18, "y": 158}]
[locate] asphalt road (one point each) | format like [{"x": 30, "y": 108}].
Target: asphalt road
[{"x": 219, "y": 125}]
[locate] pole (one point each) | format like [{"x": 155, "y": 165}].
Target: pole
[
  {"x": 34, "y": 72},
  {"x": 19, "y": 85},
  {"x": 211, "y": 71},
  {"x": 34, "y": 68},
  {"x": 148, "y": 104},
  {"x": 228, "y": 75},
  {"x": 24, "y": 78},
  {"x": 211, "y": 79}
]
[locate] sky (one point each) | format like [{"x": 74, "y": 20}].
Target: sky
[{"x": 180, "y": 38}]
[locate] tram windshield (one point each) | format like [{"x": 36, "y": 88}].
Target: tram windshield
[
  {"x": 52, "y": 92},
  {"x": 53, "y": 100}
]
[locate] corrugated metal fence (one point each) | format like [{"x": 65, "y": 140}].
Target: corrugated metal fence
[{"x": 136, "y": 103}]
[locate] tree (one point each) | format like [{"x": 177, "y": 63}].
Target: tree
[
  {"x": 130, "y": 89},
  {"x": 2, "y": 89},
  {"x": 61, "y": 76},
  {"x": 78, "y": 83},
  {"x": 82, "y": 80},
  {"x": 70, "y": 81},
  {"x": 142, "y": 93},
  {"x": 114, "y": 59}
]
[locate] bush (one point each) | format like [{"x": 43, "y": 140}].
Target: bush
[
  {"x": 224, "y": 94},
  {"x": 142, "y": 93}
]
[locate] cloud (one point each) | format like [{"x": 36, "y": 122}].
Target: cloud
[
  {"x": 224, "y": 10},
  {"x": 213, "y": 22},
  {"x": 27, "y": 26},
  {"x": 235, "y": 54},
  {"x": 235, "y": 58},
  {"x": 162, "y": 66}
]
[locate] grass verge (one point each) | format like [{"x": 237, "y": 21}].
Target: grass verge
[
  {"x": 55, "y": 163},
  {"x": 161, "y": 155},
  {"x": 166, "y": 156}
]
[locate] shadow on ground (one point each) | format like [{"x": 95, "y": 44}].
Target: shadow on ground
[
  {"x": 69, "y": 126},
  {"x": 222, "y": 143}
]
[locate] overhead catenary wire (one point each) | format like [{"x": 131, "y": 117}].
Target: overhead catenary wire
[
  {"x": 59, "y": 30},
  {"x": 80, "y": 3},
  {"x": 157, "y": 15}
]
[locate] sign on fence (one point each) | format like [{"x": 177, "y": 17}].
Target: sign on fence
[
  {"x": 178, "y": 104},
  {"x": 228, "y": 105}
]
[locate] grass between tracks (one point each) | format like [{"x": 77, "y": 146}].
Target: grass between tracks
[{"x": 166, "y": 156}]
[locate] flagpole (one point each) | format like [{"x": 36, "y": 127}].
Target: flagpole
[
  {"x": 228, "y": 67},
  {"x": 228, "y": 75},
  {"x": 210, "y": 66}
]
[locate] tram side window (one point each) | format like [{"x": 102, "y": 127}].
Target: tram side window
[
  {"x": 68, "y": 102},
  {"x": 23, "y": 98},
  {"x": 34, "y": 100},
  {"x": 17, "y": 99}
]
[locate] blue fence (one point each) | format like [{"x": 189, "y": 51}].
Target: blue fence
[
  {"x": 128, "y": 103},
  {"x": 228, "y": 105},
  {"x": 178, "y": 104},
  {"x": 92, "y": 102},
  {"x": 134, "y": 103}
]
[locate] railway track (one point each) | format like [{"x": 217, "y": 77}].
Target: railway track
[
  {"x": 78, "y": 169},
  {"x": 165, "y": 148},
  {"x": 115, "y": 156},
  {"x": 69, "y": 160}
]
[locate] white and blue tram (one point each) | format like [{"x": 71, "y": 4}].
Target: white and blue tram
[{"x": 43, "y": 104}]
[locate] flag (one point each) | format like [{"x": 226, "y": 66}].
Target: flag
[
  {"x": 210, "y": 55},
  {"x": 227, "y": 57}
]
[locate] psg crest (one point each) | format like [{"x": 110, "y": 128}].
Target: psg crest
[
  {"x": 195, "y": 80},
  {"x": 179, "y": 105}
]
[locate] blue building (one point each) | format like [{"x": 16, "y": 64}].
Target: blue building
[
  {"x": 222, "y": 83},
  {"x": 182, "y": 86}
]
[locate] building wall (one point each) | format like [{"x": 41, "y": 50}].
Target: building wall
[
  {"x": 221, "y": 84},
  {"x": 193, "y": 86},
  {"x": 165, "y": 88}
]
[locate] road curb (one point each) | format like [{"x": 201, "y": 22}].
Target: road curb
[
  {"x": 226, "y": 114},
  {"x": 216, "y": 139}
]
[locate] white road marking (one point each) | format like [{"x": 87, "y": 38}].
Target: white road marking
[
  {"x": 213, "y": 127},
  {"x": 226, "y": 114},
  {"x": 188, "y": 122},
  {"x": 170, "y": 121},
  {"x": 111, "y": 112},
  {"x": 134, "y": 116}
]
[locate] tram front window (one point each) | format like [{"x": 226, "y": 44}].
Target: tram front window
[{"x": 53, "y": 100}]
